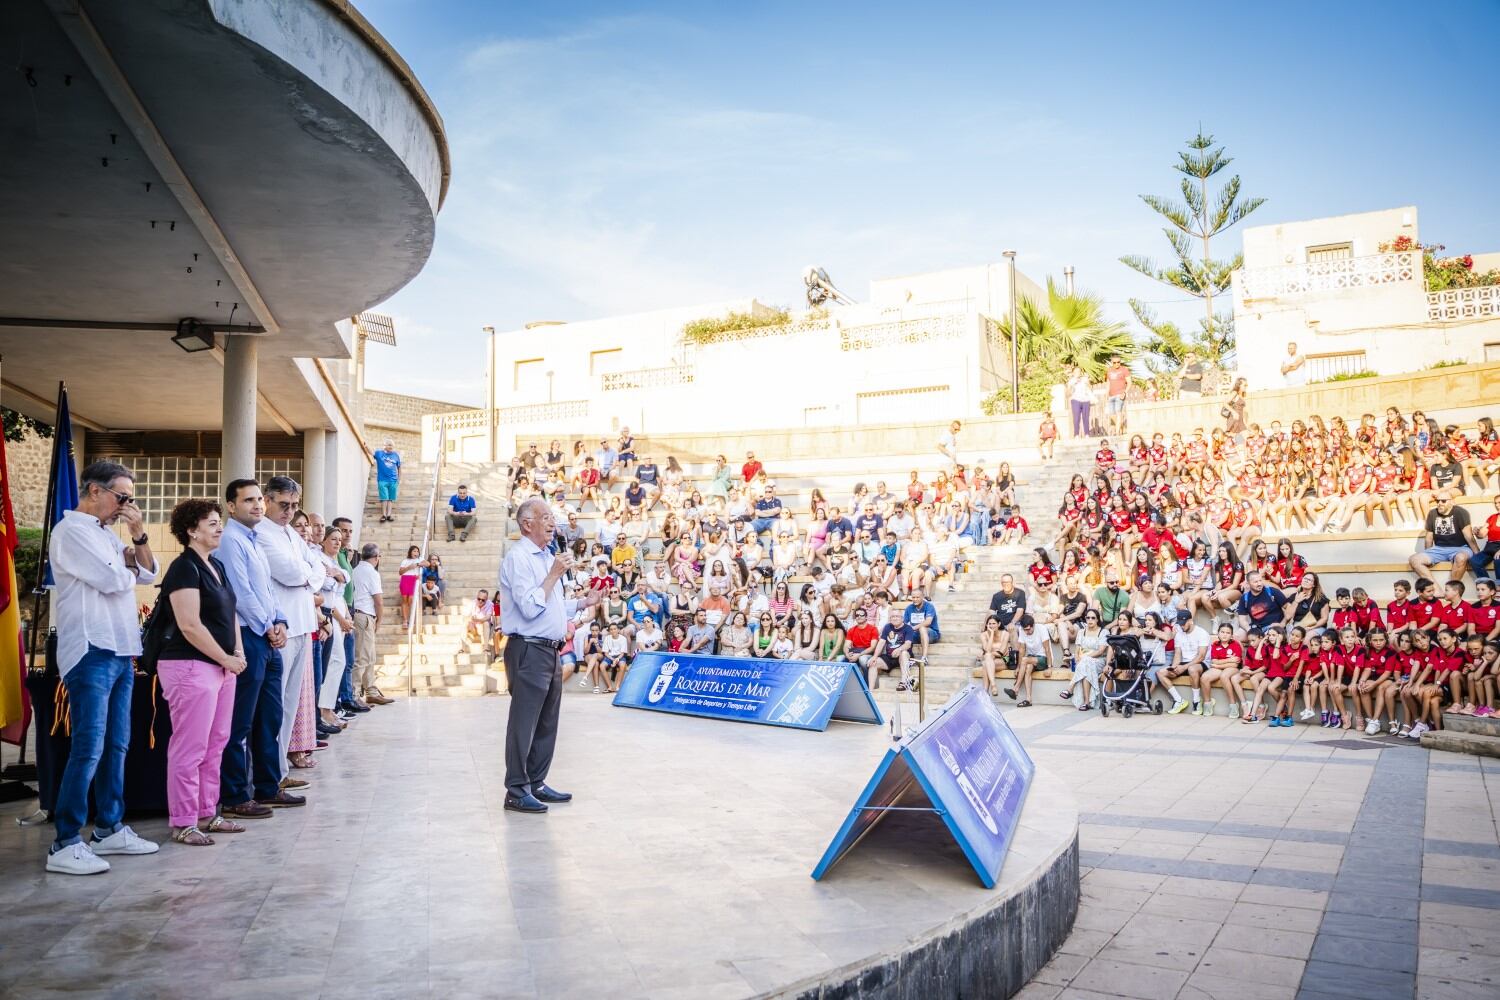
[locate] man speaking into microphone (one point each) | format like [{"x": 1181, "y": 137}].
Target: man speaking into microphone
[{"x": 534, "y": 617}]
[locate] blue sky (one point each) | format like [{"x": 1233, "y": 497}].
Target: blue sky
[{"x": 612, "y": 158}]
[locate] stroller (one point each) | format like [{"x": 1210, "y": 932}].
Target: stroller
[{"x": 1123, "y": 684}]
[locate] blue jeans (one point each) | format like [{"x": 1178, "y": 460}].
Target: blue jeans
[
  {"x": 99, "y": 689},
  {"x": 252, "y": 762},
  {"x": 763, "y": 524},
  {"x": 318, "y": 659},
  {"x": 346, "y": 686},
  {"x": 979, "y": 526}
]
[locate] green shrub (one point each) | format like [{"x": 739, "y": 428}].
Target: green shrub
[
  {"x": 700, "y": 331},
  {"x": 1452, "y": 363},
  {"x": 1346, "y": 376}
]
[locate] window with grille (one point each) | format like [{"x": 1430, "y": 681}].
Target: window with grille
[
  {"x": 164, "y": 481},
  {"x": 1330, "y": 251},
  {"x": 1322, "y": 366}
]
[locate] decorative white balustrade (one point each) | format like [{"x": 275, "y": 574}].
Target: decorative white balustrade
[
  {"x": 1464, "y": 303},
  {"x": 540, "y": 413},
  {"x": 816, "y": 324},
  {"x": 646, "y": 378},
  {"x": 1328, "y": 275},
  {"x": 905, "y": 331},
  {"x": 461, "y": 419}
]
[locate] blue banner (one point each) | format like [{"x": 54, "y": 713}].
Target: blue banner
[
  {"x": 967, "y": 766},
  {"x": 64, "y": 475},
  {"x": 795, "y": 693}
]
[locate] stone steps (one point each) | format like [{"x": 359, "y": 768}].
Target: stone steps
[{"x": 1456, "y": 741}]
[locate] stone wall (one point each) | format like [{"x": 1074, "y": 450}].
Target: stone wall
[
  {"x": 390, "y": 415},
  {"x": 27, "y": 463}
]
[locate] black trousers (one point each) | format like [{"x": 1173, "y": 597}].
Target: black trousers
[{"x": 535, "y": 681}]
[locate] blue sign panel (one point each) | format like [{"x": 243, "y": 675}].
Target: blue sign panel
[
  {"x": 793, "y": 693},
  {"x": 967, "y": 766}
]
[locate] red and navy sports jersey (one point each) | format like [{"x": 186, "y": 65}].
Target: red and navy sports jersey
[
  {"x": 1398, "y": 615},
  {"x": 1384, "y": 661},
  {"x": 1290, "y": 571},
  {"x": 1119, "y": 520},
  {"x": 1454, "y": 616},
  {"x": 1367, "y": 616},
  {"x": 1345, "y": 618},
  {"x": 1224, "y": 651},
  {"x": 1042, "y": 575},
  {"x": 1227, "y": 571},
  {"x": 1421, "y": 612},
  {"x": 1484, "y": 617},
  {"x": 1105, "y": 456},
  {"x": 1349, "y": 660},
  {"x": 1446, "y": 663}
]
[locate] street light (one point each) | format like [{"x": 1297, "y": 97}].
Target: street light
[{"x": 1015, "y": 336}]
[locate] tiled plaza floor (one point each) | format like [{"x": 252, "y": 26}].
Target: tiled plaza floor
[
  {"x": 1220, "y": 860},
  {"x": 1239, "y": 862}
]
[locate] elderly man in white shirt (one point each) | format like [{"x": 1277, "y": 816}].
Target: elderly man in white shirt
[
  {"x": 98, "y": 633},
  {"x": 294, "y": 581}
]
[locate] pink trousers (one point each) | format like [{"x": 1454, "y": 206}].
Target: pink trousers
[{"x": 201, "y": 698}]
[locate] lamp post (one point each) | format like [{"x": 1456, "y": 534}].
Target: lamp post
[
  {"x": 491, "y": 431},
  {"x": 1015, "y": 336}
]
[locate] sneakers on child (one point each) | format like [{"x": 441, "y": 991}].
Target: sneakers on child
[
  {"x": 1208, "y": 708},
  {"x": 1417, "y": 731},
  {"x": 1234, "y": 710},
  {"x": 76, "y": 859},
  {"x": 124, "y": 841},
  {"x": 1307, "y": 713},
  {"x": 1179, "y": 708},
  {"x": 1198, "y": 710},
  {"x": 1395, "y": 728},
  {"x": 1372, "y": 727}
]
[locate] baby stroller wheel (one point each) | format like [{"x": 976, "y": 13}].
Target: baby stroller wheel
[
  {"x": 1156, "y": 709},
  {"x": 1103, "y": 706},
  {"x": 1129, "y": 710}
]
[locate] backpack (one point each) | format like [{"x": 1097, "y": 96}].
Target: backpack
[{"x": 159, "y": 629}]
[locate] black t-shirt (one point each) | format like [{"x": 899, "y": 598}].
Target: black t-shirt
[
  {"x": 1192, "y": 376},
  {"x": 1072, "y": 604},
  {"x": 1308, "y": 606},
  {"x": 1444, "y": 476},
  {"x": 215, "y": 605},
  {"x": 646, "y": 473},
  {"x": 1447, "y": 529},
  {"x": 1008, "y": 607}
]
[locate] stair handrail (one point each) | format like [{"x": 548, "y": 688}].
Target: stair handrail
[{"x": 414, "y": 624}]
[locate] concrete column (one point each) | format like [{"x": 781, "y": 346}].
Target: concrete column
[
  {"x": 240, "y": 359},
  {"x": 334, "y": 471},
  {"x": 315, "y": 472}
]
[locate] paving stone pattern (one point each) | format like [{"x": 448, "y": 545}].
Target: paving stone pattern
[{"x": 1228, "y": 861}]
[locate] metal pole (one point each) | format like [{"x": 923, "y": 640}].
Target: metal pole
[{"x": 1015, "y": 336}]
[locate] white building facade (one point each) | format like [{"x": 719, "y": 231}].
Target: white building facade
[
  {"x": 1327, "y": 286},
  {"x": 922, "y": 345}
]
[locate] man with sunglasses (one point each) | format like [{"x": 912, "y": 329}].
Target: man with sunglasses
[{"x": 97, "y": 635}]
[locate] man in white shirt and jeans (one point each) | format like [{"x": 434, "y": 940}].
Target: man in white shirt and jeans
[
  {"x": 98, "y": 633},
  {"x": 368, "y": 606},
  {"x": 294, "y": 581}
]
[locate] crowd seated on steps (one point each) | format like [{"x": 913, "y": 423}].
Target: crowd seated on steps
[
  {"x": 729, "y": 563},
  {"x": 1160, "y": 535}
]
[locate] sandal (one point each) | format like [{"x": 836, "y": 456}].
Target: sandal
[
  {"x": 218, "y": 824},
  {"x": 192, "y": 837},
  {"x": 302, "y": 760}
]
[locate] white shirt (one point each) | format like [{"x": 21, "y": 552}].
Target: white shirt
[
  {"x": 93, "y": 596},
  {"x": 294, "y": 579},
  {"x": 614, "y": 646},
  {"x": 648, "y": 641},
  {"x": 1297, "y": 376},
  {"x": 332, "y": 588},
  {"x": 1188, "y": 644},
  {"x": 366, "y": 586}
]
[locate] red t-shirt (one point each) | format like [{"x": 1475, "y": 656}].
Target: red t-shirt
[
  {"x": 1223, "y": 651},
  {"x": 1397, "y": 615},
  {"x": 1454, "y": 616},
  {"x": 751, "y": 469},
  {"x": 1483, "y": 617},
  {"x": 1279, "y": 663},
  {"x": 1289, "y": 572},
  {"x": 1492, "y": 528},
  {"x": 1017, "y": 522},
  {"x": 1385, "y": 661},
  {"x": 1117, "y": 379},
  {"x": 1042, "y": 575},
  {"x": 1419, "y": 613},
  {"x": 588, "y": 476},
  {"x": 1349, "y": 660},
  {"x": 1446, "y": 663},
  {"x": 863, "y": 636},
  {"x": 1119, "y": 520},
  {"x": 1367, "y": 616},
  {"x": 1104, "y": 456},
  {"x": 1345, "y": 618}
]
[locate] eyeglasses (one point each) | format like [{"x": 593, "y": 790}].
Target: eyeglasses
[
  {"x": 123, "y": 499},
  {"x": 283, "y": 504}
]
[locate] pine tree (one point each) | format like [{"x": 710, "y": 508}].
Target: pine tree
[{"x": 1196, "y": 220}]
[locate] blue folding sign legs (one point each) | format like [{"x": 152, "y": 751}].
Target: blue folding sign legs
[
  {"x": 794, "y": 693},
  {"x": 967, "y": 767}
]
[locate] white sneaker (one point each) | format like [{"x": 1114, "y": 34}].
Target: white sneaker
[
  {"x": 1208, "y": 708},
  {"x": 1234, "y": 710},
  {"x": 76, "y": 859},
  {"x": 1372, "y": 727},
  {"x": 1417, "y": 731},
  {"x": 1306, "y": 714},
  {"x": 1395, "y": 728},
  {"x": 124, "y": 841},
  {"x": 1198, "y": 709}
]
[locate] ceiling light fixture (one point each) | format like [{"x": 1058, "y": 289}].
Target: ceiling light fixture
[{"x": 192, "y": 336}]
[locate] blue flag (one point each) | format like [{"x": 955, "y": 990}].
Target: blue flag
[{"x": 64, "y": 473}]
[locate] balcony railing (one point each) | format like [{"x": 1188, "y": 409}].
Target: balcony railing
[
  {"x": 646, "y": 378},
  {"x": 1327, "y": 275},
  {"x": 541, "y": 413},
  {"x": 900, "y": 332},
  {"x": 1464, "y": 303}
]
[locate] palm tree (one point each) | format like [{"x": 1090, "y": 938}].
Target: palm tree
[{"x": 1069, "y": 330}]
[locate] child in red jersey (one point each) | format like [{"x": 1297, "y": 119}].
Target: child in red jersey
[
  {"x": 1224, "y": 658},
  {"x": 1299, "y": 655},
  {"x": 1104, "y": 458},
  {"x": 1279, "y": 670},
  {"x": 1398, "y": 612},
  {"x": 1366, "y": 613},
  {"x": 1250, "y": 675},
  {"x": 1343, "y": 610},
  {"x": 1383, "y": 681},
  {"x": 1016, "y": 528},
  {"x": 1342, "y": 665},
  {"x": 1289, "y": 568},
  {"x": 1484, "y": 613},
  {"x": 1452, "y": 612},
  {"x": 1325, "y": 670},
  {"x": 1422, "y": 695},
  {"x": 1473, "y": 675},
  {"x": 1422, "y": 609}
]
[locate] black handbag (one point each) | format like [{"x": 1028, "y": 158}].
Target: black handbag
[{"x": 160, "y": 628}]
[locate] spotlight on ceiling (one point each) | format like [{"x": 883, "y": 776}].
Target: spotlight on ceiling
[{"x": 192, "y": 336}]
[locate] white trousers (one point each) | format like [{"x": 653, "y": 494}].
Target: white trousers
[
  {"x": 333, "y": 670},
  {"x": 295, "y": 656}
]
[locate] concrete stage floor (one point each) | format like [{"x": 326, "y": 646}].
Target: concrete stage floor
[{"x": 680, "y": 870}]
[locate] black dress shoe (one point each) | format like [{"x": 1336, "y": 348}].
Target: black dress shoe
[
  {"x": 324, "y": 729},
  {"x": 284, "y": 800},
  {"x": 350, "y": 706},
  {"x": 549, "y": 794},
  {"x": 524, "y": 804}
]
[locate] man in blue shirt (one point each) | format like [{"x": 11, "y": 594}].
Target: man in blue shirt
[
  {"x": 892, "y": 650},
  {"x": 922, "y": 616},
  {"x": 605, "y": 458},
  {"x": 838, "y": 522},
  {"x": 250, "y": 772},
  {"x": 643, "y": 605},
  {"x": 387, "y": 478},
  {"x": 461, "y": 514},
  {"x": 767, "y": 510}
]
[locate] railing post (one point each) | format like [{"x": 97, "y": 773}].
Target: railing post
[{"x": 416, "y": 610}]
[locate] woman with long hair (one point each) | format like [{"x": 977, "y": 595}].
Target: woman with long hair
[
  {"x": 805, "y": 634},
  {"x": 1229, "y": 579},
  {"x": 411, "y": 572},
  {"x": 831, "y": 639},
  {"x": 1309, "y": 607}
]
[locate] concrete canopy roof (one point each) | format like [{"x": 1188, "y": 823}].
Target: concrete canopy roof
[{"x": 171, "y": 158}]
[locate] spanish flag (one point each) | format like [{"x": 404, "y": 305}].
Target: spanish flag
[{"x": 13, "y": 708}]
